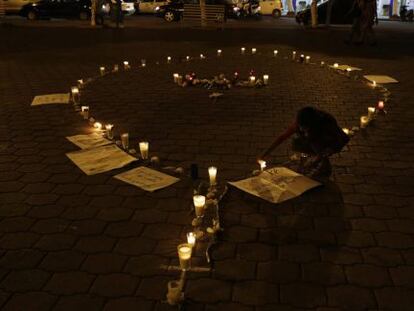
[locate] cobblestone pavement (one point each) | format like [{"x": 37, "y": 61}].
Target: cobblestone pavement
[{"x": 70, "y": 241}]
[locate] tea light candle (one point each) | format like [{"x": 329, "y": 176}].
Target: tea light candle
[
  {"x": 254, "y": 50},
  {"x": 293, "y": 55},
  {"x": 212, "y": 173},
  {"x": 187, "y": 58},
  {"x": 184, "y": 255},
  {"x": 168, "y": 59},
  {"x": 75, "y": 94},
  {"x": 265, "y": 79},
  {"x": 125, "y": 140},
  {"x": 262, "y": 165},
  {"x": 252, "y": 80},
  {"x": 302, "y": 58},
  {"x": 364, "y": 121},
  {"x": 336, "y": 65},
  {"x": 322, "y": 63},
  {"x": 307, "y": 59},
  {"x": 348, "y": 71},
  {"x": 143, "y": 148},
  {"x": 202, "y": 56},
  {"x": 175, "y": 76},
  {"x": 109, "y": 131},
  {"x": 371, "y": 113},
  {"x": 143, "y": 63},
  {"x": 243, "y": 50},
  {"x": 85, "y": 112},
  {"x": 275, "y": 53},
  {"x": 381, "y": 105},
  {"x": 116, "y": 68},
  {"x": 374, "y": 83},
  {"x": 345, "y": 130},
  {"x": 191, "y": 238},
  {"x": 102, "y": 70},
  {"x": 218, "y": 52},
  {"x": 98, "y": 126},
  {"x": 199, "y": 202}
]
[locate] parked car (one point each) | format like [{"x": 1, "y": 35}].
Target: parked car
[
  {"x": 14, "y": 6},
  {"x": 148, "y": 6},
  {"x": 77, "y": 9},
  {"x": 271, "y": 7},
  {"x": 339, "y": 13}
]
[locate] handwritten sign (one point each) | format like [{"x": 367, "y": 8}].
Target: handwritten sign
[
  {"x": 51, "y": 99},
  {"x": 147, "y": 179},
  {"x": 381, "y": 79}
]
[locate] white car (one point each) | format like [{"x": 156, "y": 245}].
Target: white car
[
  {"x": 271, "y": 7},
  {"x": 128, "y": 7},
  {"x": 148, "y": 6}
]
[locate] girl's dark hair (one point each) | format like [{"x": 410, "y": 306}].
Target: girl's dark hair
[{"x": 309, "y": 117}]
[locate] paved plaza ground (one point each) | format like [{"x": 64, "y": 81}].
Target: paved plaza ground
[{"x": 69, "y": 241}]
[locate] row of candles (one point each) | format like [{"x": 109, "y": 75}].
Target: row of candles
[{"x": 252, "y": 79}]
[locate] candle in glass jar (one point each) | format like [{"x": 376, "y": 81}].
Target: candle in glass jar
[
  {"x": 252, "y": 80},
  {"x": 125, "y": 140},
  {"x": 175, "y": 76},
  {"x": 381, "y": 105},
  {"x": 168, "y": 59},
  {"x": 336, "y": 65},
  {"x": 98, "y": 126},
  {"x": 80, "y": 83},
  {"x": 126, "y": 65},
  {"x": 348, "y": 71},
  {"x": 85, "y": 112},
  {"x": 293, "y": 55},
  {"x": 254, "y": 50},
  {"x": 265, "y": 79},
  {"x": 109, "y": 131},
  {"x": 218, "y": 52},
  {"x": 116, "y": 68},
  {"x": 364, "y": 121},
  {"x": 202, "y": 56},
  {"x": 143, "y": 148},
  {"x": 184, "y": 255},
  {"x": 75, "y": 94},
  {"x": 371, "y": 113},
  {"x": 275, "y": 53},
  {"x": 345, "y": 130},
  {"x": 374, "y": 83},
  {"x": 322, "y": 63},
  {"x": 307, "y": 59},
  {"x": 301, "y": 58},
  {"x": 143, "y": 63},
  {"x": 199, "y": 202},
  {"x": 262, "y": 165},
  {"x": 243, "y": 50},
  {"x": 212, "y": 173},
  {"x": 191, "y": 238},
  {"x": 102, "y": 70},
  {"x": 187, "y": 58}
]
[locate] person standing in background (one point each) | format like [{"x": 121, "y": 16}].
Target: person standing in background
[{"x": 368, "y": 18}]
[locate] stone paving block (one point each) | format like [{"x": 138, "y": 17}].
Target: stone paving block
[
  {"x": 382, "y": 256},
  {"x": 14, "y": 210},
  {"x": 350, "y": 297},
  {"x": 18, "y": 240},
  {"x": 341, "y": 255},
  {"x": 45, "y": 211},
  {"x": 129, "y": 304},
  {"x": 36, "y": 300},
  {"x": 25, "y": 280},
  {"x": 95, "y": 244},
  {"x": 161, "y": 231},
  {"x": 403, "y": 276},
  {"x": 114, "y": 214},
  {"x": 153, "y": 288},
  {"x": 208, "y": 290},
  {"x": 16, "y": 224},
  {"x": 21, "y": 259},
  {"x": 367, "y": 275},
  {"x": 69, "y": 283},
  {"x": 394, "y": 240},
  {"x": 51, "y": 225},
  {"x": 114, "y": 285},
  {"x": 262, "y": 252},
  {"x": 56, "y": 242},
  {"x": 79, "y": 302},
  {"x": 323, "y": 273},
  {"x": 87, "y": 227},
  {"x": 42, "y": 199},
  {"x": 356, "y": 239},
  {"x": 298, "y": 253},
  {"x": 240, "y": 234},
  {"x": 146, "y": 265},
  {"x": 129, "y": 228},
  {"x": 135, "y": 246},
  {"x": 302, "y": 295},
  {"x": 369, "y": 225},
  {"x": 150, "y": 216},
  {"x": 395, "y": 298},
  {"x": 278, "y": 271},
  {"x": 234, "y": 270},
  {"x": 62, "y": 261}
]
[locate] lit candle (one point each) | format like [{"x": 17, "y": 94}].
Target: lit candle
[
  {"x": 371, "y": 113},
  {"x": 252, "y": 80},
  {"x": 175, "y": 76},
  {"x": 109, "y": 131},
  {"x": 212, "y": 173},
  {"x": 143, "y": 63},
  {"x": 169, "y": 59},
  {"x": 293, "y": 55},
  {"x": 199, "y": 202},
  {"x": 102, "y": 70},
  {"x": 302, "y": 58},
  {"x": 184, "y": 255},
  {"x": 348, "y": 71},
  {"x": 381, "y": 105},
  {"x": 143, "y": 148},
  {"x": 191, "y": 238},
  {"x": 218, "y": 52},
  {"x": 262, "y": 164},
  {"x": 85, "y": 112},
  {"x": 125, "y": 140},
  {"x": 374, "y": 83},
  {"x": 345, "y": 130},
  {"x": 275, "y": 53},
  {"x": 75, "y": 94},
  {"x": 202, "y": 56},
  {"x": 126, "y": 65},
  {"x": 265, "y": 79},
  {"x": 116, "y": 68},
  {"x": 98, "y": 126},
  {"x": 179, "y": 79},
  {"x": 243, "y": 50},
  {"x": 336, "y": 65},
  {"x": 307, "y": 59},
  {"x": 80, "y": 83},
  {"x": 254, "y": 50},
  {"x": 364, "y": 121},
  {"x": 322, "y": 63}
]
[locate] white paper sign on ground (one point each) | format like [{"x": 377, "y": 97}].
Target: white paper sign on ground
[
  {"x": 345, "y": 67},
  {"x": 89, "y": 141},
  {"x": 276, "y": 185},
  {"x": 51, "y": 99},
  {"x": 380, "y": 79},
  {"x": 101, "y": 159},
  {"x": 147, "y": 179}
]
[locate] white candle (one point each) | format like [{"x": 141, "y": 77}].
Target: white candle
[
  {"x": 143, "y": 63},
  {"x": 262, "y": 165},
  {"x": 85, "y": 112},
  {"x": 336, "y": 65},
  {"x": 252, "y": 80},
  {"x": 109, "y": 132},
  {"x": 212, "y": 173},
  {"x": 345, "y": 130},
  {"x": 125, "y": 141},
  {"x": 322, "y": 63},
  {"x": 374, "y": 83},
  {"x": 364, "y": 121},
  {"x": 98, "y": 126},
  {"x": 307, "y": 59},
  {"x": 187, "y": 58},
  {"x": 302, "y": 58},
  {"x": 116, "y": 68},
  {"x": 202, "y": 56},
  {"x": 175, "y": 76},
  {"x": 102, "y": 70},
  {"x": 169, "y": 59},
  {"x": 254, "y": 50},
  {"x": 218, "y": 52},
  {"x": 75, "y": 94},
  {"x": 199, "y": 202},
  {"x": 265, "y": 79},
  {"x": 184, "y": 255},
  {"x": 143, "y": 148},
  {"x": 191, "y": 238},
  {"x": 126, "y": 65},
  {"x": 243, "y": 49},
  {"x": 371, "y": 113},
  {"x": 275, "y": 53},
  {"x": 293, "y": 55},
  {"x": 381, "y": 105},
  {"x": 348, "y": 71}
]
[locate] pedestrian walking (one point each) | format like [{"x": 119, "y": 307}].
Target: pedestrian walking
[
  {"x": 116, "y": 13},
  {"x": 368, "y": 18},
  {"x": 355, "y": 13},
  {"x": 317, "y": 135}
]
